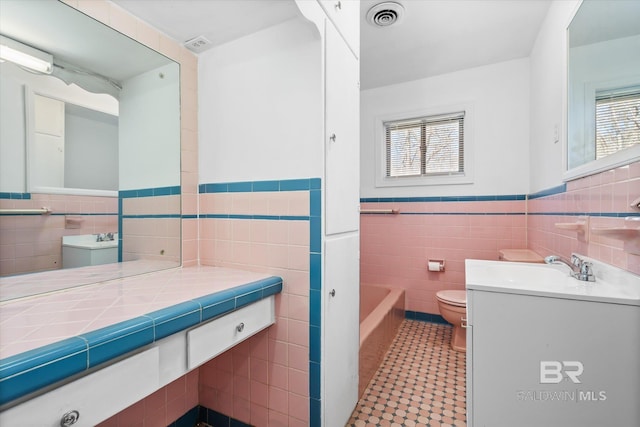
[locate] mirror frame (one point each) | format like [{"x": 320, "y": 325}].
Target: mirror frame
[{"x": 618, "y": 159}]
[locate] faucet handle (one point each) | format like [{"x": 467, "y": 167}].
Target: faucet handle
[
  {"x": 576, "y": 260},
  {"x": 586, "y": 272}
]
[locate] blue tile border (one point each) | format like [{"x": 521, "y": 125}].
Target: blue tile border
[
  {"x": 548, "y": 192},
  {"x": 315, "y": 301},
  {"x": 15, "y": 196},
  {"x": 203, "y": 414},
  {"x": 150, "y": 192},
  {"x": 425, "y": 317},
  {"x": 32, "y": 370},
  {"x": 260, "y": 186},
  {"x": 540, "y": 194},
  {"x": 29, "y": 371}
]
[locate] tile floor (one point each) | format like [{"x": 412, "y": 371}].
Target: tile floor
[{"x": 421, "y": 382}]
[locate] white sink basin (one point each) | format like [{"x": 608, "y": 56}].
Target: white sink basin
[
  {"x": 89, "y": 241},
  {"x": 612, "y": 284},
  {"x": 85, "y": 250}
]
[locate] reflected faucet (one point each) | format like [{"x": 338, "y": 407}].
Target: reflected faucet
[
  {"x": 580, "y": 269},
  {"x": 105, "y": 237}
]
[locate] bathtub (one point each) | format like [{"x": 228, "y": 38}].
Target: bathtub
[{"x": 381, "y": 313}]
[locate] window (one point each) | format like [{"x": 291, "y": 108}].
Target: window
[
  {"x": 425, "y": 146},
  {"x": 617, "y": 121}
]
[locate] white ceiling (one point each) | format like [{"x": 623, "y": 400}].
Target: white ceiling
[
  {"x": 435, "y": 36},
  {"x": 441, "y": 36},
  {"x": 220, "y": 21}
]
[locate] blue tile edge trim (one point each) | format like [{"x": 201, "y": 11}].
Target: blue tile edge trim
[
  {"x": 315, "y": 302},
  {"x": 425, "y": 317},
  {"x": 488, "y": 198},
  {"x": 15, "y": 196},
  {"x": 29, "y": 371},
  {"x": 203, "y": 414},
  {"x": 260, "y": 186},
  {"x": 32, "y": 370},
  {"x": 150, "y": 192},
  {"x": 549, "y": 192}
]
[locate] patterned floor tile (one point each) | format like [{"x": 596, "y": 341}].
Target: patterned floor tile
[{"x": 420, "y": 383}]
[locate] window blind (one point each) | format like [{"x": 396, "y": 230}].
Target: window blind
[
  {"x": 617, "y": 122},
  {"x": 432, "y": 145}
]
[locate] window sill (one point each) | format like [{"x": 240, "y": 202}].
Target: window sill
[
  {"x": 420, "y": 181},
  {"x": 621, "y": 158}
]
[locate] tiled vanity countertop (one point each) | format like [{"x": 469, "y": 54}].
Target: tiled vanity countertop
[{"x": 50, "y": 337}]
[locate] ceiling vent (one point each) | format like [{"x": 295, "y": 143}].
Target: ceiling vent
[
  {"x": 385, "y": 14},
  {"x": 198, "y": 44}
]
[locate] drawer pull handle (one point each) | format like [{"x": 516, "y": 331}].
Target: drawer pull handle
[
  {"x": 463, "y": 322},
  {"x": 240, "y": 327},
  {"x": 69, "y": 418}
]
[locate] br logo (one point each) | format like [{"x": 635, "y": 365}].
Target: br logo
[{"x": 553, "y": 371}]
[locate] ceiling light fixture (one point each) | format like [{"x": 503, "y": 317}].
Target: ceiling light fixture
[
  {"x": 385, "y": 14},
  {"x": 25, "y": 56}
]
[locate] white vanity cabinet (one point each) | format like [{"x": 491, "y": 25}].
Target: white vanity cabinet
[
  {"x": 553, "y": 360},
  {"x": 92, "y": 398}
]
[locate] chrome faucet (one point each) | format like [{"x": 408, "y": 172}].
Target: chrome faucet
[
  {"x": 104, "y": 237},
  {"x": 580, "y": 269}
]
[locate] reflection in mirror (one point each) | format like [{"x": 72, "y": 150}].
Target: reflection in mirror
[
  {"x": 94, "y": 139},
  {"x": 603, "y": 85}
]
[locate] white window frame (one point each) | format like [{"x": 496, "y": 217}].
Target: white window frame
[
  {"x": 593, "y": 166},
  {"x": 466, "y": 177}
]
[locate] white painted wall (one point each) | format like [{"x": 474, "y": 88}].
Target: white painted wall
[
  {"x": 91, "y": 149},
  {"x": 548, "y": 102},
  {"x": 149, "y": 137},
  {"x": 260, "y": 106},
  {"x": 499, "y": 122}
]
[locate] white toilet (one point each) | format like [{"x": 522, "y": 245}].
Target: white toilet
[{"x": 453, "y": 307}]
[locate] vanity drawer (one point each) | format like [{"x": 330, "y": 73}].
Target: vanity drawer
[
  {"x": 209, "y": 340},
  {"x": 95, "y": 397}
]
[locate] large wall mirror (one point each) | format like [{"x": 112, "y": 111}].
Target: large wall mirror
[
  {"x": 90, "y": 133},
  {"x": 603, "y": 97}
]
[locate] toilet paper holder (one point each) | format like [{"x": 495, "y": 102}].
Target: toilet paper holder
[{"x": 435, "y": 265}]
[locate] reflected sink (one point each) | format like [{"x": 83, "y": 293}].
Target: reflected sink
[
  {"x": 85, "y": 250},
  {"x": 612, "y": 284}
]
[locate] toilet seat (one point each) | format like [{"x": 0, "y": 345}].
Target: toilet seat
[{"x": 456, "y": 298}]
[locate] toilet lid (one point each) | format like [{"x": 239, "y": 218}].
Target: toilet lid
[{"x": 458, "y": 298}]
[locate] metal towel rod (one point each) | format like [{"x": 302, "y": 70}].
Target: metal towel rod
[
  {"x": 41, "y": 211},
  {"x": 380, "y": 211}
]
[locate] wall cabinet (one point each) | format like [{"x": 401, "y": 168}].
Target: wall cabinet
[
  {"x": 345, "y": 15},
  {"x": 342, "y": 147}
]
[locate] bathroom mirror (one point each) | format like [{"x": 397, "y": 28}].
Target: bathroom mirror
[
  {"x": 603, "y": 87},
  {"x": 96, "y": 142}
]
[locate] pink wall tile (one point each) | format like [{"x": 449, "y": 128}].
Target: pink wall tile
[
  {"x": 260, "y": 381},
  {"x": 394, "y": 249},
  {"x": 33, "y": 243}
]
